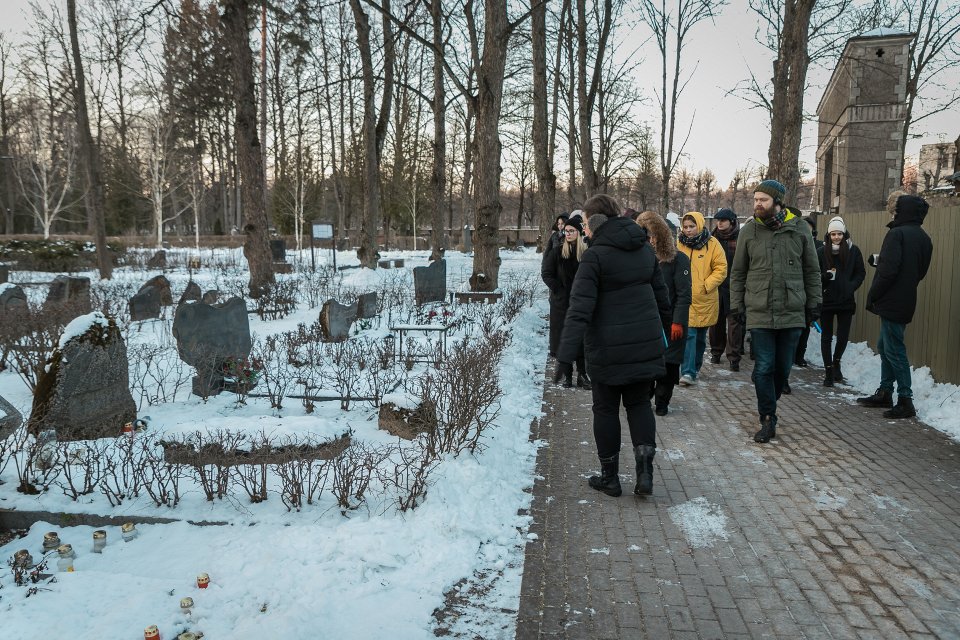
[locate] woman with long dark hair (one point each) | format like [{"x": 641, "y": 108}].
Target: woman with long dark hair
[
  {"x": 558, "y": 269},
  {"x": 841, "y": 267},
  {"x": 619, "y": 312}
]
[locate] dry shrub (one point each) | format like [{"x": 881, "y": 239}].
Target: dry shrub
[
  {"x": 353, "y": 471},
  {"x": 156, "y": 374}
]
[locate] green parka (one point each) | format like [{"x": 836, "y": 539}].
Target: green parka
[{"x": 775, "y": 274}]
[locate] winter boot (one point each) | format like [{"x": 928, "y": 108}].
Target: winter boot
[
  {"x": 714, "y": 359},
  {"x": 786, "y": 389},
  {"x": 583, "y": 381},
  {"x": 837, "y": 374},
  {"x": 768, "y": 429},
  {"x": 609, "y": 480},
  {"x": 881, "y": 399},
  {"x": 828, "y": 376},
  {"x": 661, "y": 409},
  {"x": 904, "y": 409},
  {"x": 644, "y": 454},
  {"x": 568, "y": 381}
]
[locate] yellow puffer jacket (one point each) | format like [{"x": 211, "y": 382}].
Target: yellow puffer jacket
[{"x": 708, "y": 270}]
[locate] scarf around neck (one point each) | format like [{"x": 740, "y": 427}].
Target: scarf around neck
[
  {"x": 698, "y": 241},
  {"x": 775, "y": 221}
]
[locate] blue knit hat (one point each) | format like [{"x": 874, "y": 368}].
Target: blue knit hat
[{"x": 773, "y": 189}]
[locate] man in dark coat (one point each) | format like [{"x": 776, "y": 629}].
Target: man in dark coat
[
  {"x": 620, "y": 308},
  {"x": 901, "y": 264},
  {"x": 727, "y": 335}
]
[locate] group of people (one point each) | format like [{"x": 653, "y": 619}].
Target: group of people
[{"x": 634, "y": 300}]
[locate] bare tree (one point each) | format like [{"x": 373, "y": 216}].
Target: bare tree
[
  {"x": 587, "y": 96},
  {"x": 6, "y": 159},
  {"x": 668, "y": 22},
  {"x": 545, "y": 197}
]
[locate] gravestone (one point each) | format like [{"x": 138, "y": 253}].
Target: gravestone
[
  {"x": 336, "y": 319},
  {"x": 145, "y": 304},
  {"x": 158, "y": 261},
  {"x": 70, "y": 290},
  {"x": 161, "y": 284},
  {"x": 430, "y": 282},
  {"x": 211, "y": 296},
  {"x": 4, "y": 273},
  {"x": 191, "y": 294},
  {"x": 208, "y": 336},
  {"x": 10, "y": 419},
  {"x": 12, "y": 298},
  {"x": 367, "y": 306},
  {"x": 85, "y": 391},
  {"x": 467, "y": 238},
  {"x": 278, "y": 250}
]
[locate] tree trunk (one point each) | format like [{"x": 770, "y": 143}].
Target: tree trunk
[
  {"x": 438, "y": 175},
  {"x": 256, "y": 245},
  {"x": 95, "y": 199},
  {"x": 546, "y": 193},
  {"x": 789, "y": 82},
  {"x": 486, "y": 257}
]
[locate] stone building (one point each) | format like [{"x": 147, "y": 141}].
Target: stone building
[
  {"x": 936, "y": 162},
  {"x": 861, "y": 118}
]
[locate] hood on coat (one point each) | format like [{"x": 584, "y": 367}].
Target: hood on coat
[
  {"x": 910, "y": 210},
  {"x": 697, "y": 217},
  {"x": 621, "y": 233}
]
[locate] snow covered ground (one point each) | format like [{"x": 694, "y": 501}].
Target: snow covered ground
[
  {"x": 372, "y": 573},
  {"x": 375, "y": 572}
]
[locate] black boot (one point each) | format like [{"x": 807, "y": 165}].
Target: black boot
[
  {"x": 768, "y": 429},
  {"x": 714, "y": 359},
  {"x": 583, "y": 381},
  {"x": 786, "y": 389},
  {"x": 568, "y": 381},
  {"x": 828, "y": 376},
  {"x": 644, "y": 455},
  {"x": 904, "y": 409},
  {"x": 880, "y": 399},
  {"x": 609, "y": 480},
  {"x": 661, "y": 409},
  {"x": 837, "y": 374}
]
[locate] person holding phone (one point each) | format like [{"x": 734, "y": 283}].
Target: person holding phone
[{"x": 842, "y": 271}]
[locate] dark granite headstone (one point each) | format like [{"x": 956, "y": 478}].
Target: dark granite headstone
[
  {"x": 430, "y": 282},
  {"x": 210, "y": 297},
  {"x": 278, "y": 250},
  {"x": 4, "y": 273},
  {"x": 145, "y": 305},
  {"x": 10, "y": 419},
  {"x": 12, "y": 298},
  {"x": 191, "y": 293},
  {"x": 85, "y": 391},
  {"x": 467, "y": 239},
  {"x": 158, "y": 261},
  {"x": 336, "y": 319},
  {"x": 209, "y": 335},
  {"x": 367, "y": 305},
  {"x": 161, "y": 284},
  {"x": 70, "y": 289}
]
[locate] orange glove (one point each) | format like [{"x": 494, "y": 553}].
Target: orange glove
[{"x": 676, "y": 331}]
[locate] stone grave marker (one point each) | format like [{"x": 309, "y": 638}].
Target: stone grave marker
[
  {"x": 430, "y": 282},
  {"x": 209, "y": 335},
  {"x": 145, "y": 304},
  {"x": 12, "y": 298},
  {"x": 4, "y": 273},
  {"x": 85, "y": 392},
  {"x": 336, "y": 320},
  {"x": 70, "y": 289},
  {"x": 161, "y": 284},
  {"x": 158, "y": 260},
  {"x": 211, "y": 296},
  {"x": 191, "y": 293},
  {"x": 10, "y": 419},
  {"x": 278, "y": 250},
  {"x": 367, "y": 305}
]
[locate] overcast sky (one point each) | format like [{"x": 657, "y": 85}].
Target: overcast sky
[{"x": 726, "y": 133}]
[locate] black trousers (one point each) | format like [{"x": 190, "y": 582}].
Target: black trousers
[
  {"x": 606, "y": 416},
  {"x": 663, "y": 387},
  {"x": 557, "y": 314},
  {"x": 844, "y": 320},
  {"x": 727, "y": 335},
  {"x": 801, "y": 352}
]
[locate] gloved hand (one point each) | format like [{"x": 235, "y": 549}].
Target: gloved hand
[
  {"x": 676, "y": 331},
  {"x": 811, "y": 315},
  {"x": 564, "y": 371},
  {"x": 739, "y": 316}
]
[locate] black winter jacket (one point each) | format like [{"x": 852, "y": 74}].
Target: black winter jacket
[
  {"x": 619, "y": 307},
  {"x": 729, "y": 245},
  {"x": 838, "y": 293},
  {"x": 904, "y": 259},
  {"x": 676, "y": 275},
  {"x": 557, "y": 273}
]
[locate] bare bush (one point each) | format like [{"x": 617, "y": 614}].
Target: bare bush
[
  {"x": 302, "y": 477},
  {"x": 80, "y": 467},
  {"x": 211, "y": 459},
  {"x": 29, "y": 335},
  {"x": 252, "y": 478},
  {"x": 276, "y": 373},
  {"x": 121, "y": 478},
  {"x": 352, "y": 472},
  {"x": 347, "y": 362},
  {"x": 159, "y": 478},
  {"x": 410, "y": 474},
  {"x": 156, "y": 374},
  {"x": 278, "y": 299},
  {"x": 25, "y": 450}
]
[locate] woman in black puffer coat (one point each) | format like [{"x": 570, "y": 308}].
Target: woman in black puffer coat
[
  {"x": 841, "y": 267},
  {"x": 558, "y": 269},
  {"x": 620, "y": 309},
  {"x": 675, "y": 267}
]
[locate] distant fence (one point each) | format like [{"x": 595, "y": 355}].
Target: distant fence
[{"x": 933, "y": 338}]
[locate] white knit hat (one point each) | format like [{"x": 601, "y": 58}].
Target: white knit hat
[{"x": 836, "y": 224}]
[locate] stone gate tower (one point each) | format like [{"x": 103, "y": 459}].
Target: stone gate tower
[{"x": 861, "y": 118}]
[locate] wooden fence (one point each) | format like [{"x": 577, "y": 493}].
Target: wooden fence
[{"x": 933, "y": 338}]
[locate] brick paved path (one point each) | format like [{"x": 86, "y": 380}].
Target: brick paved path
[{"x": 848, "y": 526}]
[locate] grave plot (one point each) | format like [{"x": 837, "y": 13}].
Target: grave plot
[{"x": 348, "y": 478}]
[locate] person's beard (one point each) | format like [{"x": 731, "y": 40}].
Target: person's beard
[{"x": 762, "y": 212}]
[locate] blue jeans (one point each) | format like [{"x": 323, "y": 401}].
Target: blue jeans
[
  {"x": 894, "y": 366},
  {"x": 774, "y": 350},
  {"x": 693, "y": 351}
]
